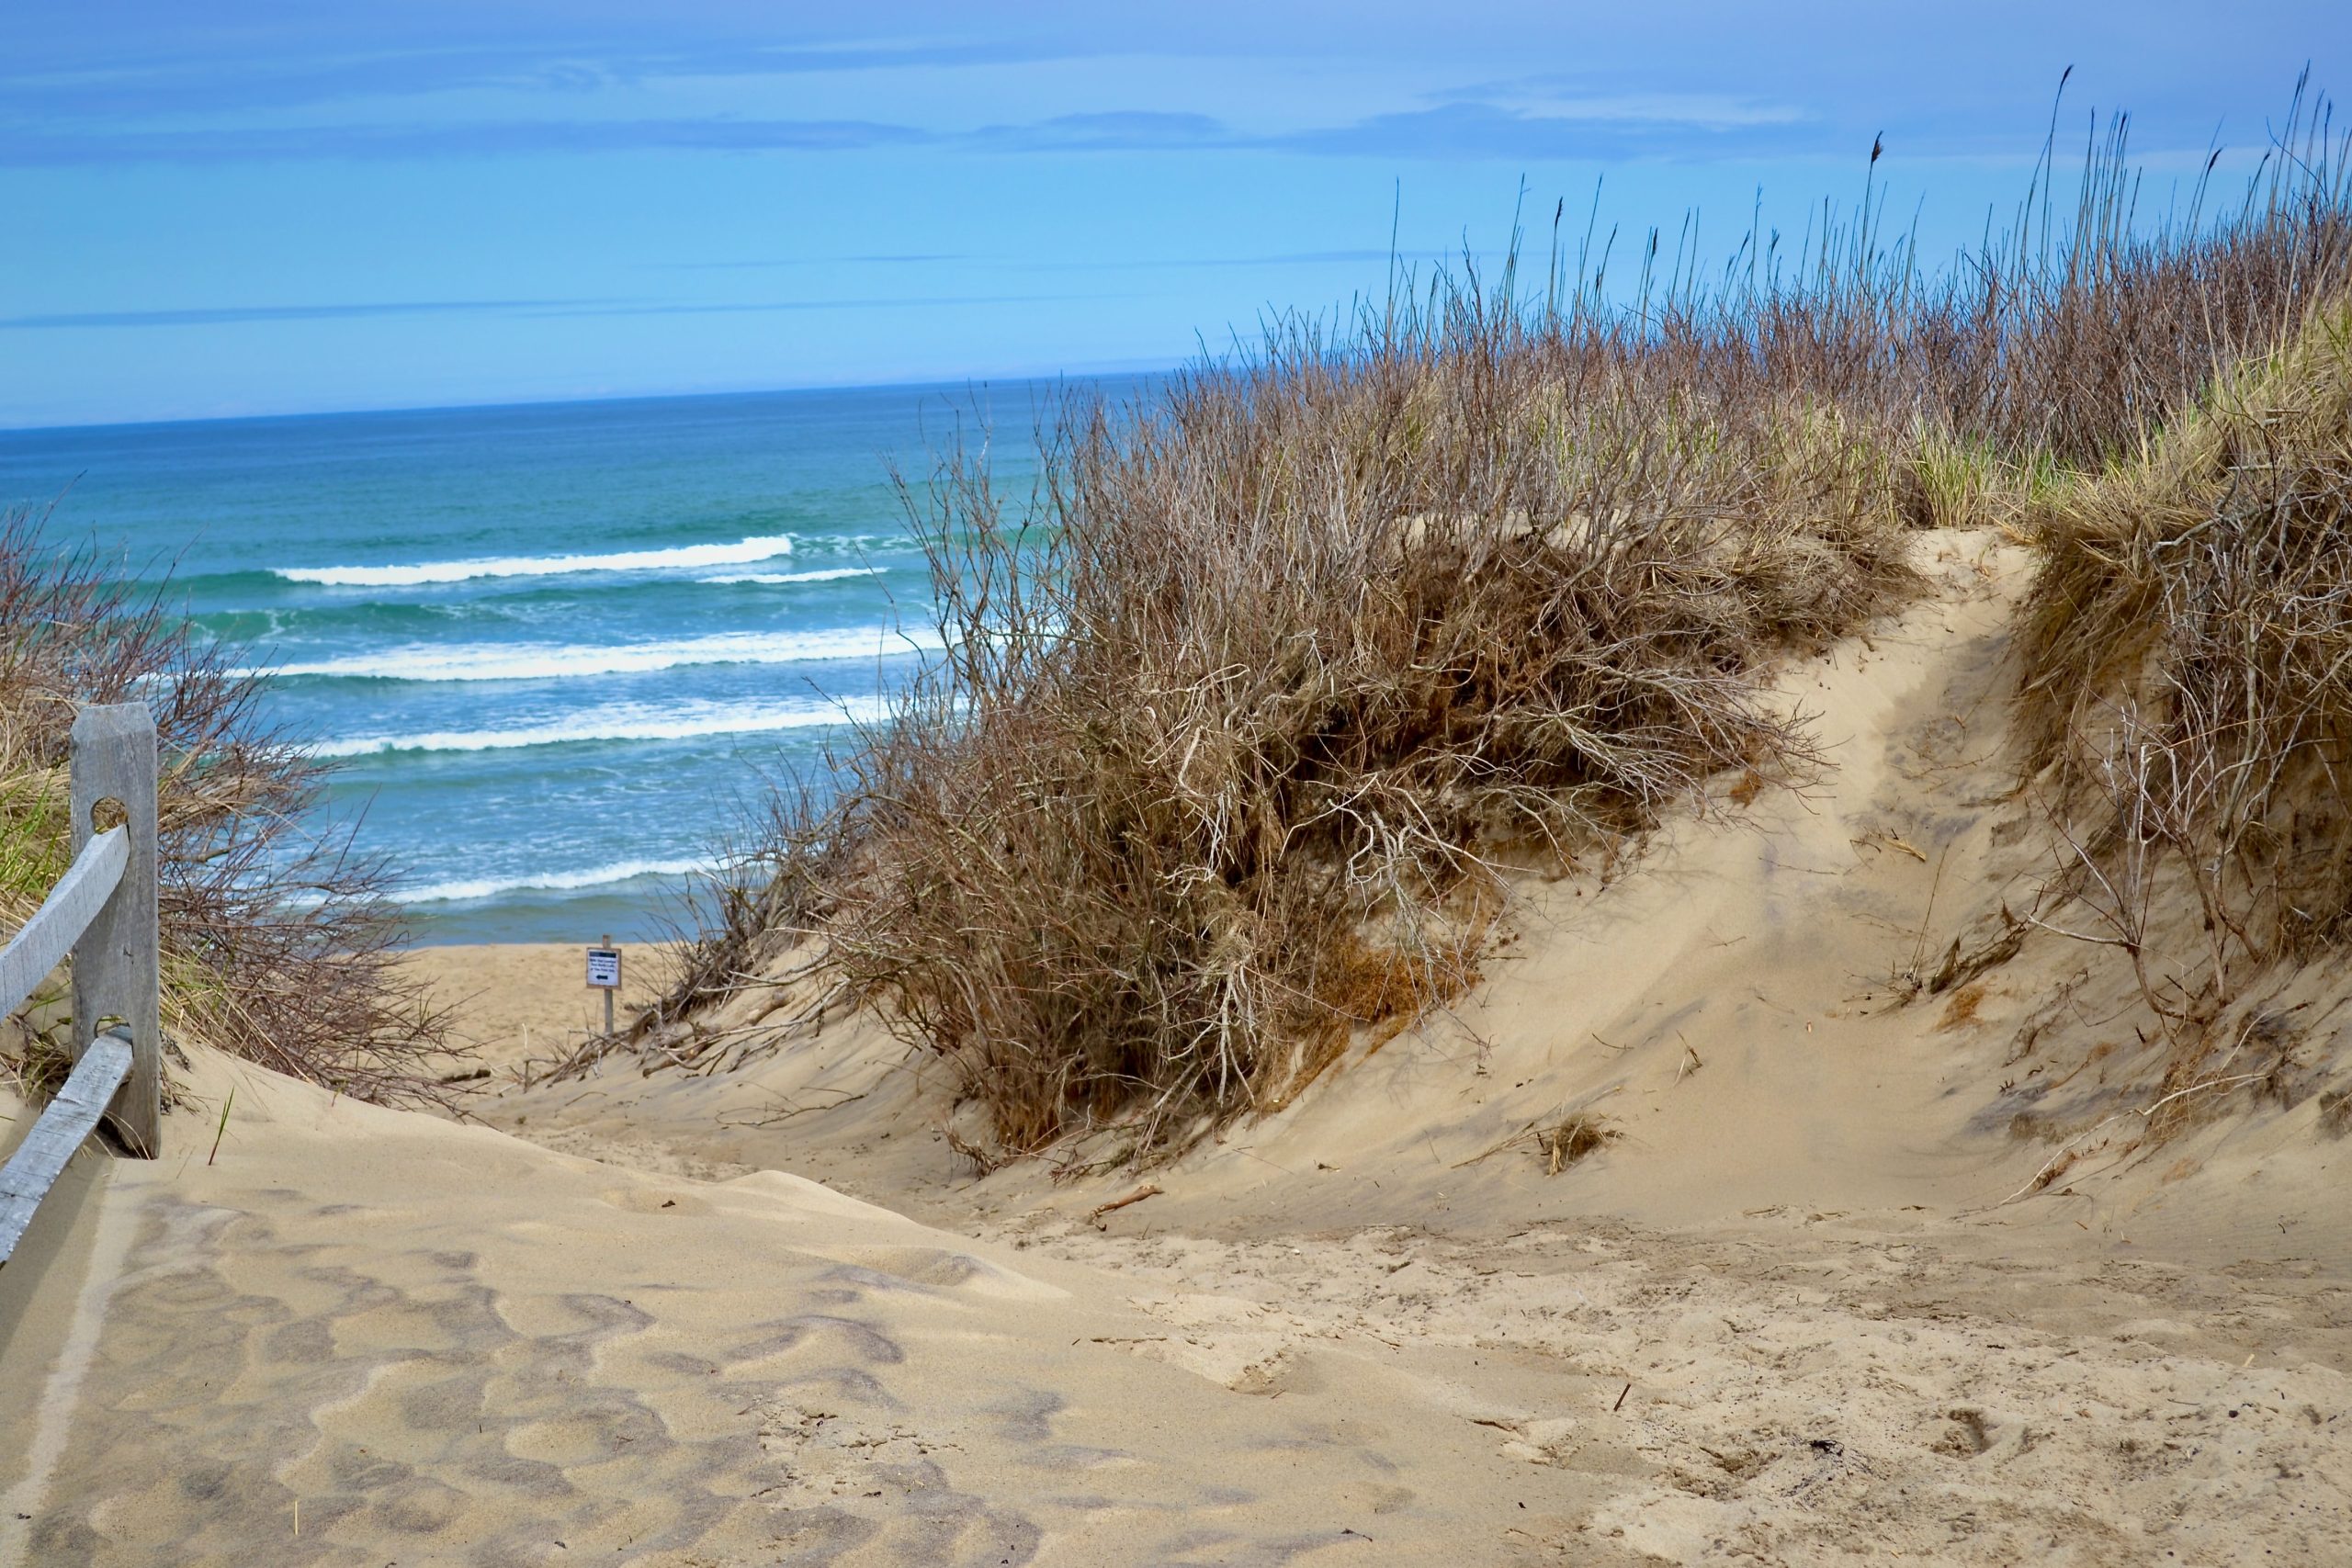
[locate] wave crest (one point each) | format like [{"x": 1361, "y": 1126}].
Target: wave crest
[
  {"x": 475, "y": 887},
  {"x": 766, "y": 546},
  {"x": 826, "y": 574},
  {"x": 626, "y": 724},
  {"x": 545, "y": 662}
]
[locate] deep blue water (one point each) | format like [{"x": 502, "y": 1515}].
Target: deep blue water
[{"x": 554, "y": 649}]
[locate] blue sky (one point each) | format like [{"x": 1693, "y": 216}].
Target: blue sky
[{"x": 263, "y": 206}]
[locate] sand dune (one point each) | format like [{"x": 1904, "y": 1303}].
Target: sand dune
[{"x": 1805, "y": 1307}]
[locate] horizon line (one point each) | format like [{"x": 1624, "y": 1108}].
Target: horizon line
[{"x": 1087, "y": 371}]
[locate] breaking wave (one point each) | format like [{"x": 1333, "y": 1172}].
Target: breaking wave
[{"x": 766, "y": 547}]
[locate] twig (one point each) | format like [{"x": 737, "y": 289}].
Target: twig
[
  {"x": 1495, "y": 1149},
  {"x": 1146, "y": 1191},
  {"x": 1914, "y": 851},
  {"x": 2142, "y": 1112},
  {"x": 774, "y": 1119}
]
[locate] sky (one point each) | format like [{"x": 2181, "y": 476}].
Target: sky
[{"x": 250, "y": 207}]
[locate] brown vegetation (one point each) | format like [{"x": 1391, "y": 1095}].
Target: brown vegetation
[
  {"x": 1246, "y": 705},
  {"x": 275, "y": 936},
  {"x": 1573, "y": 1139},
  {"x": 2188, "y": 684}
]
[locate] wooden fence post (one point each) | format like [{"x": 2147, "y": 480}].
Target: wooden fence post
[{"x": 116, "y": 971}]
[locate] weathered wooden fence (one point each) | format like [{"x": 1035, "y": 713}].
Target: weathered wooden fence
[{"x": 102, "y": 913}]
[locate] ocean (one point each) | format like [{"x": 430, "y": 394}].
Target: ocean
[{"x": 555, "y": 651}]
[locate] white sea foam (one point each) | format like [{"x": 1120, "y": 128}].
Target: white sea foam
[
  {"x": 766, "y": 546},
  {"x": 550, "y": 882},
  {"x": 675, "y": 722},
  {"x": 828, "y": 574},
  {"x": 543, "y": 662}
]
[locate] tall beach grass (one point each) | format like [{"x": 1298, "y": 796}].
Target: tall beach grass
[{"x": 1254, "y": 699}]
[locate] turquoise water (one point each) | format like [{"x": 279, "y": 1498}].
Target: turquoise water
[{"x": 554, "y": 650}]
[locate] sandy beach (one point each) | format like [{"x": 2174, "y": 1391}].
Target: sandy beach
[
  {"x": 513, "y": 1006},
  {"x": 1802, "y": 1305},
  {"x": 1535, "y": 788}
]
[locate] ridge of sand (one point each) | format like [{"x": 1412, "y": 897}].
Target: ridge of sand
[{"x": 1785, "y": 1318}]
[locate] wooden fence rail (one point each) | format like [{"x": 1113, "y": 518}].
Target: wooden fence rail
[{"x": 102, "y": 915}]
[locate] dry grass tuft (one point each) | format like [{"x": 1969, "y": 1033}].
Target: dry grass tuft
[
  {"x": 1573, "y": 1139},
  {"x": 277, "y": 940}
]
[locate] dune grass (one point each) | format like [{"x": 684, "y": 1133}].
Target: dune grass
[
  {"x": 1252, "y": 700},
  {"x": 2188, "y": 690},
  {"x": 276, "y": 943}
]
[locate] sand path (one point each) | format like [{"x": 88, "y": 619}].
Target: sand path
[
  {"x": 442, "y": 1345},
  {"x": 436, "y": 1344}
]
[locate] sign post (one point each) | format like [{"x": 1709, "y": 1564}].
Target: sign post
[{"x": 605, "y": 975}]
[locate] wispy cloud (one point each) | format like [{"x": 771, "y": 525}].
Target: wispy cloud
[
  {"x": 33, "y": 147},
  {"x": 219, "y": 315},
  {"x": 1472, "y": 131},
  {"x": 426, "y": 79},
  {"x": 1126, "y": 132},
  {"x": 239, "y": 80},
  {"x": 1006, "y": 263},
  {"x": 1555, "y": 96},
  {"x": 1278, "y": 258},
  {"x": 777, "y": 262},
  {"x": 222, "y": 315},
  {"x": 1449, "y": 131},
  {"x": 877, "y": 302},
  {"x": 166, "y": 79}
]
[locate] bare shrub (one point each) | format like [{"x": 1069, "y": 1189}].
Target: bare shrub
[
  {"x": 1233, "y": 717},
  {"x": 277, "y": 941}
]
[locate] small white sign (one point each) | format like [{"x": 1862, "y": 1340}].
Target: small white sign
[{"x": 604, "y": 968}]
